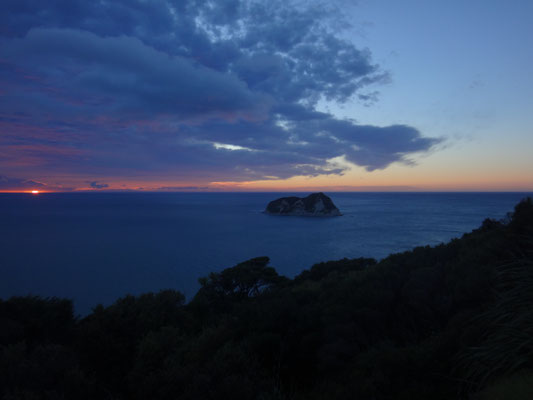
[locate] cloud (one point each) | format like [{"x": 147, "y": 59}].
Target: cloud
[
  {"x": 181, "y": 188},
  {"x": 96, "y": 185},
  {"x": 130, "y": 87},
  {"x": 122, "y": 77},
  {"x": 18, "y": 184}
]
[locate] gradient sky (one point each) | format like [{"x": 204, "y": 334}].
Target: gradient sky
[{"x": 257, "y": 95}]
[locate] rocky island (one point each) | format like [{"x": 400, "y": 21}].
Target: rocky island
[{"x": 314, "y": 205}]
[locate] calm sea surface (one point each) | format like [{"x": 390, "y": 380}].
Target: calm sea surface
[{"x": 96, "y": 247}]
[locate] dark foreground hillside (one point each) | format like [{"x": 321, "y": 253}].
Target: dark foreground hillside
[{"x": 454, "y": 321}]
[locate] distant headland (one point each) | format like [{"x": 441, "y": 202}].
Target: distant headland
[{"x": 314, "y": 205}]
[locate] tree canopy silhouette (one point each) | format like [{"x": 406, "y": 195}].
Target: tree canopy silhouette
[{"x": 436, "y": 322}]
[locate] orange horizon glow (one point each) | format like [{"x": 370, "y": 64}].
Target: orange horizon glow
[
  {"x": 26, "y": 191},
  {"x": 394, "y": 179},
  {"x": 217, "y": 187},
  {"x": 436, "y": 174}
]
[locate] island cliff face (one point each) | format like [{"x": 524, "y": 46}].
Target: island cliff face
[{"x": 314, "y": 205}]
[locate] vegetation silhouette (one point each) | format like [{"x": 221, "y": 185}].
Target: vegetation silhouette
[{"x": 451, "y": 321}]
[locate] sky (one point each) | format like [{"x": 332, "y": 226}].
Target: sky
[{"x": 241, "y": 95}]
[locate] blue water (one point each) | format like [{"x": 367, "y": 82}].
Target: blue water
[{"x": 96, "y": 247}]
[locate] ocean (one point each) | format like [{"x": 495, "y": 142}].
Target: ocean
[{"x": 96, "y": 247}]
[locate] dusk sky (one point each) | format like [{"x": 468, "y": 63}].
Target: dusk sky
[{"x": 266, "y": 95}]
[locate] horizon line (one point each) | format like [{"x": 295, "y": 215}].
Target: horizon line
[{"x": 37, "y": 192}]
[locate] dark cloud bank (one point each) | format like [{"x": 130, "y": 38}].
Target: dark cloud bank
[{"x": 221, "y": 90}]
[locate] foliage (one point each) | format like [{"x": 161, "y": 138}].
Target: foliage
[
  {"x": 518, "y": 386},
  {"x": 245, "y": 280},
  {"x": 445, "y": 322}
]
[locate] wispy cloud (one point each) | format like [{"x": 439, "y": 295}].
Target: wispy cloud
[
  {"x": 96, "y": 185},
  {"x": 18, "y": 184}
]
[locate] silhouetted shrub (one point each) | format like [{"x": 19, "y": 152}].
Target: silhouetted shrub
[{"x": 431, "y": 323}]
